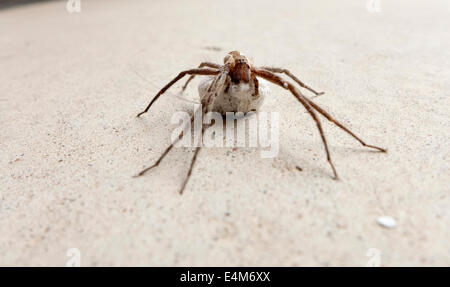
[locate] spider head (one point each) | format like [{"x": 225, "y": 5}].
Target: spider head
[{"x": 239, "y": 67}]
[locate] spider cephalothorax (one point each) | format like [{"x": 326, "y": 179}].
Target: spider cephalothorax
[
  {"x": 234, "y": 87},
  {"x": 239, "y": 67},
  {"x": 237, "y": 91}
]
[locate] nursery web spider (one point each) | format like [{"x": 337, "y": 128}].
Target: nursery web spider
[{"x": 238, "y": 70}]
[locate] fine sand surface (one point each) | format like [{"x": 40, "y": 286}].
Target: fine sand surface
[{"x": 72, "y": 83}]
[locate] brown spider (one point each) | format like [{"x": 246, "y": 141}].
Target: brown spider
[{"x": 236, "y": 71}]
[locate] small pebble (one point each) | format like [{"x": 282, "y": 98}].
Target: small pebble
[{"x": 386, "y": 221}]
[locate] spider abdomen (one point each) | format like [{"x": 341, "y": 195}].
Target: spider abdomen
[{"x": 237, "y": 97}]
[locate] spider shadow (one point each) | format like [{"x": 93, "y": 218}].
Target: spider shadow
[
  {"x": 311, "y": 168},
  {"x": 161, "y": 118},
  {"x": 361, "y": 150},
  {"x": 288, "y": 156}
]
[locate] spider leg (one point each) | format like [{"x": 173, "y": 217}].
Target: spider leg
[
  {"x": 256, "y": 83},
  {"x": 337, "y": 123},
  {"x": 201, "y": 71},
  {"x": 219, "y": 79},
  {"x": 166, "y": 151},
  {"x": 288, "y": 86},
  {"x": 204, "y": 64},
  {"x": 217, "y": 84},
  {"x": 227, "y": 84},
  {"x": 194, "y": 158},
  {"x": 206, "y": 107},
  {"x": 289, "y": 74}
]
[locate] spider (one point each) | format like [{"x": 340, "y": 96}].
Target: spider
[{"x": 237, "y": 78}]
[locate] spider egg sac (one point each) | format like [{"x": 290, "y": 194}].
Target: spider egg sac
[{"x": 238, "y": 97}]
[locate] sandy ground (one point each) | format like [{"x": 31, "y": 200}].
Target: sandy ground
[{"x": 70, "y": 143}]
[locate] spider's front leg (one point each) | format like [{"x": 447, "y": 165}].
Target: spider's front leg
[
  {"x": 198, "y": 71},
  {"x": 271, "y": 77},
  {"x": 336, "y": 122},
  {"x": 194, "y": 158},
  {"x": 217, "y": 82},
  {"x": 180, "y": 136},
  {"x": 323, "y": 112},
  {"x": 311, "y": 107},
  {"x": 289, "y": 74},
  {"x": 204, "y": 64}
]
